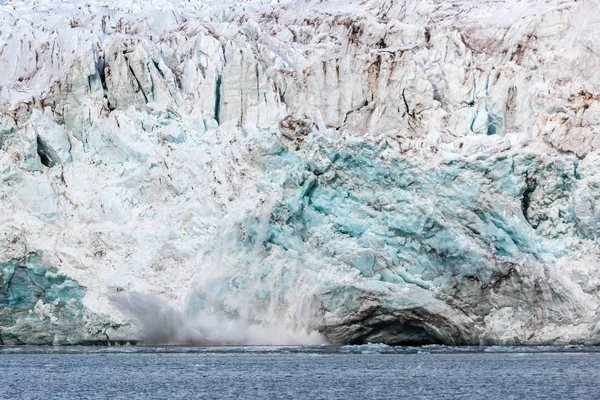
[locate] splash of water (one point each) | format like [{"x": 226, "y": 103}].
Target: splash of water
[{"x": 163, "y": 324}]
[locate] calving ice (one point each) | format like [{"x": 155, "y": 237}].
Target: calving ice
[{"x": 394, "y": 171}]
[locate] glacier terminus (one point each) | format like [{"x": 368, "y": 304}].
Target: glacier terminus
[{"x": 300, "y": 172}]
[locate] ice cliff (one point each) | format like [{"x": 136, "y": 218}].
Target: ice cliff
[{"x": 398, "y": 171}]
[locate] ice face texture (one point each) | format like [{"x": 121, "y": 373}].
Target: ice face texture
[
  {"x": 38, "y": 304},
  {"x": 391, "y": 171}
]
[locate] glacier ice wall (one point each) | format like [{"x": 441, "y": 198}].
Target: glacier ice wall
[
  {"x": 400, "y": 171},
  {"x": 41, "y": 306}
]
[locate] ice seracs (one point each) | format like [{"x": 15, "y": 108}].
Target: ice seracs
[{"x": 391, "y": 171}]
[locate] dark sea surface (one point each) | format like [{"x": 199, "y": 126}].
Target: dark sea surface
[{"x": 318, "y": 372}]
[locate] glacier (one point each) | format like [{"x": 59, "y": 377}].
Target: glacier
[{"x": 300, "y": 172}]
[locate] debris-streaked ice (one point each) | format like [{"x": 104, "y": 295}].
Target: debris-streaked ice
[{"x": 395, "y": 171}]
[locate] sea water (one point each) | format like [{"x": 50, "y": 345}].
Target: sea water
[{"x": 322, "y": 372}]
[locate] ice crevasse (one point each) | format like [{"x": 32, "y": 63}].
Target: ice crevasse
[{"x": 396, "y": 171}]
